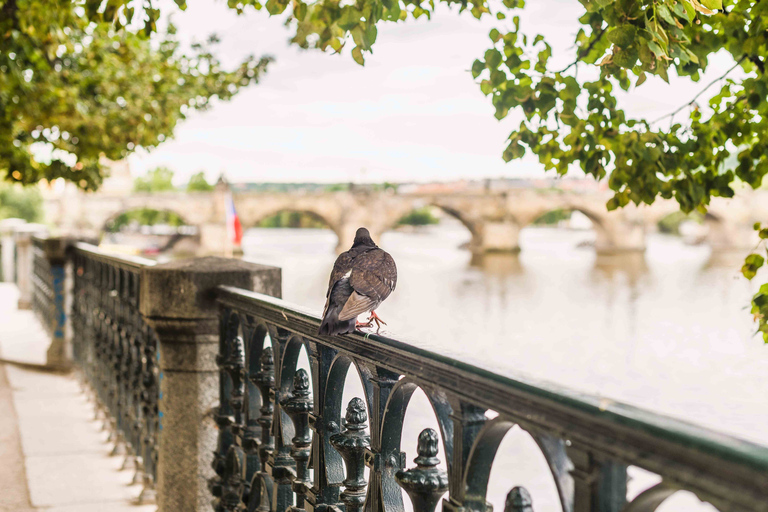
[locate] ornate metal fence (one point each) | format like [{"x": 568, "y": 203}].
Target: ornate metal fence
[
  {"x": 272, "y": 432},
  {"x": 116, "y": 352},
  {"x": 48, "y": 279}
]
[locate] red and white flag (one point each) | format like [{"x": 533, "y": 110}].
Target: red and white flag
[{"x": 234, "y": 228}]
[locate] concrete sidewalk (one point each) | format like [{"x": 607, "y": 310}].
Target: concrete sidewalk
[{"x": 55, "y": 455}]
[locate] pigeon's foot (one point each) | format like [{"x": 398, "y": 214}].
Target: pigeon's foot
[{"x": 375, "y": 318}]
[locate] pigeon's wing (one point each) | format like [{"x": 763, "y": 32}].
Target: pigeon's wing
[
  {"x": 373, "y": 278},
  {"x": 355, "y": 305},
  {"x": 342, "y": 265}
]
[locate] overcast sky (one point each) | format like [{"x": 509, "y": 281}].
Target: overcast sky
[{"x": 413, "y": 113}]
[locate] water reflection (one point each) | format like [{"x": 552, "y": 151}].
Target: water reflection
[
  {"x": 498, "y": 264},
  {"x": 728, "y": 260},
  {"x": 629, "y": 265}
]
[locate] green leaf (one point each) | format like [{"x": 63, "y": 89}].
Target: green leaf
[
  {"x": 712, "y": 4},
  {"x": 752, "y": 264},
  {"x": 357, "y": 54},
  {"x": 514, "y": 150},
  {"x": 492, "y": 58},
  {"x": 349, "y": 19},
  {"x": 656, "y": 49},
  {"x": 622, "y": 36},
  {"x": 477, "y": 67},
  {"x": 370, "y": 36},
  {"x": 665, "y": 14},
  {"x": 690, "y": 10},
  {"x": 625, "y": 58},
  {"x": 395, "y": 10},
  {"x": 641, "y": 79}
]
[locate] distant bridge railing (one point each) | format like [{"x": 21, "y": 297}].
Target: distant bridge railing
[{"x": 198, "y": 378}]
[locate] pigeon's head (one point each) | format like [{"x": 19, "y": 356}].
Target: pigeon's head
[{"x": 363, "y": 237}]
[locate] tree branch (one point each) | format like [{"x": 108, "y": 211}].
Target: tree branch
[
  {"x": 581, "y": 54},
  {"x": 710, "y": 84},
  {"x": 757, "y": 62}
]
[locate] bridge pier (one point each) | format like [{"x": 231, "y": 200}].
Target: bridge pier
[
  {"x": 496, "y": 236},
  {"x": 346, "y": 232},
  {"x": 723, "y": 236},
  {"x": 213, "y": 239},
  {"x": 619, "y": 236},
  {"x": 346, "y": 236}
]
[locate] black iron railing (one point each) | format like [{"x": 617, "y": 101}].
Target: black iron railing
[
  {"x": 48, "y": 280},
  {"x": 116, "y": 353},
  {"x": 281, "y": 448}
]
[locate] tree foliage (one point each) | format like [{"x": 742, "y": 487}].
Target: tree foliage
[
  {"x": 159, "y": 179},
  {"x": 131, "y": 220},
  {"x": 419, "y": 217},
  {"x": 73, "y": 87},
  {"x": 293, "y": 219},
  {"x": 198, "y": 183},
  {"x": 20, "y": 202}
]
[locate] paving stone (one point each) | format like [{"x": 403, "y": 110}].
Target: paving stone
[
  {"x": 14, "y": 494},
  {"x": 102, "y": 507},
  {"x": 22, "y": 338},
  {"x": 81, "y": 478}
]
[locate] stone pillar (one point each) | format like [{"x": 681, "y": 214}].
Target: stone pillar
[
  {"x": 8, "y": 261},
  {"x": 178, "y": 301},
  {"x": 24, "y": 262}
]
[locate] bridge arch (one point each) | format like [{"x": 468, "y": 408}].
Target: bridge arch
[
  {"x": 605, "y": 237},
  {"x": 395, "y": 214},
  {"x": 254, "y": 220},
  {"x": 184, "y": 236},
  {"x": 108, "y": 225},
  {"x": 472, "y": 226}
]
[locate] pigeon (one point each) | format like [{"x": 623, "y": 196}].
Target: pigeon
[{"x": 360, "y": 280}]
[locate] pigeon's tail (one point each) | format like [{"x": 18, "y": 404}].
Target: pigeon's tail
[{"x": 332, "y": 326}]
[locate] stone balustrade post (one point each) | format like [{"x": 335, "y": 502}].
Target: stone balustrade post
[
  {"x": 8, "y": 257},
  {"x": 55, "y": 314},
  {"x": 24, "y": 261},
  {"x": 178, "y": 301}
]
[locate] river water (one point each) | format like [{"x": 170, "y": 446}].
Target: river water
[{"x": 666, "y": 330}]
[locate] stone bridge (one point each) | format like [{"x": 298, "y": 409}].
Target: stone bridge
[{"x": 494, "y": 219}]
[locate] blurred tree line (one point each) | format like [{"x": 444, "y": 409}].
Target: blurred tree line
[{"x": 20, "y": 202}]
